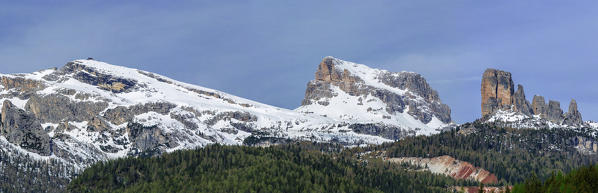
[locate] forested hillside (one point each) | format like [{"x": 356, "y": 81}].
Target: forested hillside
[
  {"x": 286, "y": 168},
  {"x": 511, "y": 154},
  {"x": 584, "y": 179}
]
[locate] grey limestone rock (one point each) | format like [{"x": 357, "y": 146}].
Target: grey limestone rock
[
  {"x": 56, "y": 108},
  {"x": 520, "y": 103},
  {"x": 573, "y": 116},
  {"x": 554, "y": 112},
  {"x": 539, "y": 106},
  {"x": 103, "y": 81},
  {"x": 24, "y": 130},
  {"x": 148, "y": 140}
]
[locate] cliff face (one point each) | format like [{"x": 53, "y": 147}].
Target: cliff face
[
  {"x": 24, "y": 130},
  {"x": 497, "y": 91},
  {"x": 539, "y": 106},
  {"x": 498, "y": 95},
  {"x": 573, "y": 116},
  {"x": 520, "y": 103}
]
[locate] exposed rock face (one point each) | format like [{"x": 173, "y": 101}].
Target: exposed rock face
[
  {"x": 573, "y": 116},
  {"x": 121, "y": 114},
  {"x": 497, "y": 91},
  {"x": 55, "y": 108},
  {"x": 497, "y": 94},
  {"x": 21, "y": 84},
  {"x": 554, "y": 113},
  {"x": 585, "y": 144},
  {"x": 520, "y": 103},
  {"x": 327, "y": 73},
  {"x": 449, "y": 166},
  {"x": 103, "y": 81},
  {"x": 239, "y": 116},
  {"x": 148, "y": 140},
  {"x": 24, "y": 130},
  {"x": 381, "y": 130},
  {"x": 418, "y": 85},
  {"x": 416, "y": 97},
  {"x": 539, "y": 106}
]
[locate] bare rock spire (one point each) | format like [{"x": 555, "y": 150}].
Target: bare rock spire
[
  {"x": 539, "y": 106},
  {"x": 520, "y": 103},
  {"x": 497, "y": 91},
  {"x": 498, "y": 94},
  {"x": 573, "y": 116}
]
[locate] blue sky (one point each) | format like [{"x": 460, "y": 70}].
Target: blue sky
[{"x": 268, "y": 50}]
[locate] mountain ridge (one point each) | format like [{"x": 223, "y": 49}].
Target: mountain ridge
[{"x": 87, "y": 111}]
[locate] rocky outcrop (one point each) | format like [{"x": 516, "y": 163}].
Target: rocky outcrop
[
  {"x": 554, "y": 112},
  {"x": 227, "y": 116},
  {"x": 416, "y": 96},
  {"x": 520, "y": 103},
  {"x": 121, "y": 114},
  {"x": 387, "y": 132},
  {"x": 21, "y": 84},
  {"x": 585, "y": 144},
  {"x": 497, "y": 94},
  {"x": 56, "y": 108},
  {"x": 497, "y": 91},
  {"x": 450, "y": 166},
  {"x": 573, "y": 116},
  {"x": 341, "y": 78},
  {"x": 24, "y": 130},
  {"x": 417, "y": 84},
  {"x": 93, "y": 77},
  {"x": 148, "y": 140},
  {"x": 539, "y": 106},
  {"x": 410, "y": 81}
]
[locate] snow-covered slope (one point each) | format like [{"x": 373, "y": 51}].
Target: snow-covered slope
[
  {"x": 88, "y": 111},
  {"x": 513, "y": 119},
  {"x": 592, "y": 124},
  {"x": 355, "y": 93}
]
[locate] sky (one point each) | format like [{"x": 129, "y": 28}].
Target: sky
[{"x": 267, "y": 51}]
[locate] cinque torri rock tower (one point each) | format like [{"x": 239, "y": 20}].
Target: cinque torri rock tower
[{"x": 501, "y": 102}]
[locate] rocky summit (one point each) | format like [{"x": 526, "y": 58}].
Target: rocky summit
[
  {"x": 503, "y": 104},
  {"x": 357, "y": 94}
]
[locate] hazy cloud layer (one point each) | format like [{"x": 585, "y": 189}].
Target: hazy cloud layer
[{"x": 268, "y": 50}]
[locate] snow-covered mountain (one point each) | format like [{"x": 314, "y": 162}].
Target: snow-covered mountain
[
  {"x": 89, "y": 111},
  {"x": 356, "y": 94}
]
